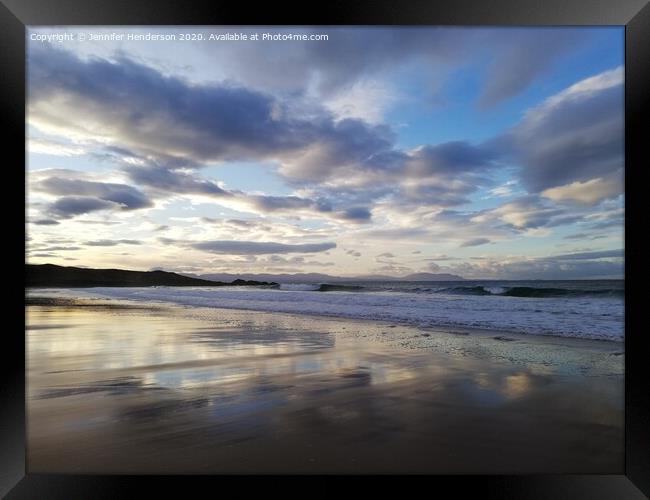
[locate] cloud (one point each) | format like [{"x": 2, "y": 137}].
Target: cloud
[
  {"x": 347, "y": 150},
  {"x": 475, "y": 242},
  {"x": 136, "y": 108},
  {"x": 526, "y": 213},
  {"x": 584, "y": 236},
  {"x": 126, "y": 197},
  {"x": 175, "y": 181},
  {"x": 129, "y": 114},
  {"x": 45, "y": 222},
  {"x": 605, "y": 254},
  {"x": 59, "y": 248},
  {"x": 69, "y": 206},
  {"x": 54, "y": 148},
  {"x": 393, "y": 234},
  {"x": 179, "y": 181},
  {"x": 575, "y": 136},
  {"x": 356, "y": 214},
  {"x": 524, "y": 55},
  {"x": 448, "y": 158},
  {"x": 394, "y": 269},
  {"x": 259, "y": 247},
  {"x": 356, "y": 60},
  {"x": 110, "y": 243},
  {"x": 365, "y": 99},
  {"x": 502, "y": 191},
  {"x": 587, "y": 193},
  {"x": 441, "y": 257}
]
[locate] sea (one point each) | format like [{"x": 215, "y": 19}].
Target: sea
[{"x": 590, "y": 309}]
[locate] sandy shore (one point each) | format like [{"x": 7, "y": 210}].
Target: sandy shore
[{"x": 137, "y": 389}]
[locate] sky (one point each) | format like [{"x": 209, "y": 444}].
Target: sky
[{"x": 490, "y": 153}]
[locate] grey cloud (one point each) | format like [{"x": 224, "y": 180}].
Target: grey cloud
[
  {"x": 530, "y": 212},
  {"x": 405, "y": 233},
  {"x": 588, "y": 255},
  {"x": 59, "y": 249},
  {"x": 438, "y": 258},
  {"x": 154, "y": 115},
  {"x": 584, "y": 236},
  {"x": 515, "y": 58},
  {"x": 240, "y": 223},
  {"x": 173, "y": 181},
  {"x": 127, "y": 197},
  {"x": 450, "y": 158},
  {"x": 110, "y": 243},
  {"x": 564, "y": 220},
  {"x": 340, "y": 148},
  {"x": 45, "y": 222},
  {"x": 179, "y": 182},
  {"x": 576, "y": 136},
  {"x": 274, "y": 203},
  {"x": 442, "y": 175},
  {"x": 69, "y": 206},
  {"x": 360, "y": 214},
  {"x": 101, "y": 222},
  {"x": 521, "y": 60},
  {"x": 259, "y": 247},
  {"x": 475, "y": 242},
  {"x": 613, "y": 219}
]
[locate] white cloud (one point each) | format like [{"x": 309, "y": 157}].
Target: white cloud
[
  {"x": 586, "y": 193},
  {"x": 367, "y": 100}
]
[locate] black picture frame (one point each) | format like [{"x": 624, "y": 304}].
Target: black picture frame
[{"x": 15, "y": 15}]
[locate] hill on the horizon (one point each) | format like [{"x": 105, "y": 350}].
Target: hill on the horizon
[{"x": 50, "y": 275}]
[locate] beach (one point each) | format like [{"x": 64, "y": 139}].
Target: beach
[{"x": 142, "y": 387}]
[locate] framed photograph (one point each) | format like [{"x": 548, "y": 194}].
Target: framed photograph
[{"x": 379, "y": 239}]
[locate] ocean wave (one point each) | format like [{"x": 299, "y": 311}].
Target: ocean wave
[
  {"x": 299, "y": 287},
  {"x": 477, "y": 290},
  {"x": 532, "y": 292},
  {"x": 326, "y": 287},
  {"x": 318, "y": 287}
]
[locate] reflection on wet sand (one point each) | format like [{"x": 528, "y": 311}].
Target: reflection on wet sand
[{"x": 171, "y": 390}]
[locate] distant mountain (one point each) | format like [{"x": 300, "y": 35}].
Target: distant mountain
[
  {"x": 50, "y": 275},
  {"x": 325, "y": 278},
  {"x": 432, "y": 277}
]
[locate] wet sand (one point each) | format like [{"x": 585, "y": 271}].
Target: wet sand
[{"x": 139, "y": 389}]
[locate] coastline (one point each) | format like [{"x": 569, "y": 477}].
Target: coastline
[{"x": 128, "y": 387}]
